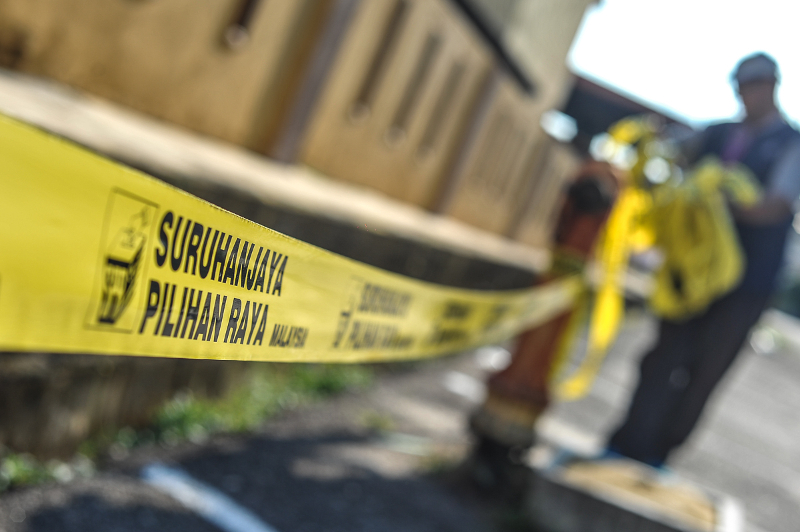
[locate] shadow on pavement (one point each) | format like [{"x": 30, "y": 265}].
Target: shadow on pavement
[
  {"x": 335, "y": 482},
  {"x": 88, "y": 512}
]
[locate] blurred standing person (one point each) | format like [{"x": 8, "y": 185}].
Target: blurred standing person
[{"x": 690, "y": 357}]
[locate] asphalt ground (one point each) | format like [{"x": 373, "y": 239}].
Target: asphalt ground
[
  {"x": 383, "y": 459},
  {"x": 359, "y": 462}
]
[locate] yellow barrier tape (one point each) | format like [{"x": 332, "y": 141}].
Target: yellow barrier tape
[
  {"x": 607, "y": 313},
  {"x": 703, "y": 259},
  {"x": 98, "y": 258}
]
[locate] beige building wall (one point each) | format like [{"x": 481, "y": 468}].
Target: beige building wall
[
  {"x": 538, "y": 35},
  {"x": 399, "y": 95},
  {"x": 166, "y": 58},
  {"x": 407, "y": 139}
]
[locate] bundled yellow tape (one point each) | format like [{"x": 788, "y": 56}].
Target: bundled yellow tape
[
  {"x": 98, "y": 258},
  {"x": 703, "y": 259},
  {"x": 687, "y": 219},
  {"x": 608, "y": 309}
]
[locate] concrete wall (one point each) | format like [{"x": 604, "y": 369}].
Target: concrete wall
[
  {"x": 167, "y": 58},
  {"x": 538, "y": 35}
]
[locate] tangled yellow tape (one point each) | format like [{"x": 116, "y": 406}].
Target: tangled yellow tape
[{"x": 98, "y": 258}]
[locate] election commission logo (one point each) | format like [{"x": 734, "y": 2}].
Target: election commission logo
[{"x": 128, "y": 223}]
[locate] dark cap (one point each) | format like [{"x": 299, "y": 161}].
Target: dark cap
[{"x": 756, "y": 67}]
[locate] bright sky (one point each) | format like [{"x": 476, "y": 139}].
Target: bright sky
[{"x": 678, "y": 54}]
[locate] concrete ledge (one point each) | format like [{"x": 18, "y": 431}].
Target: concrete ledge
[{"x": 623, "y": 495}]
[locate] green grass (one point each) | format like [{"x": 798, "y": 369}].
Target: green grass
[
  {"x": 25, "y": 470},
  {"x": 267, "y": 390}
]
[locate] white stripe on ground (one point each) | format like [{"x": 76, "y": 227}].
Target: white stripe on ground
[
  {"x": 464, "y": 385},
  {"x": 567, "y": 436},
  {"x": 730, "y": 515},
  {"x": 492, "y": 358},
  {"x": 204, "y": 500}
]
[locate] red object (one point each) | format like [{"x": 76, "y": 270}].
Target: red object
[{"x": 518, "y": 394}]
